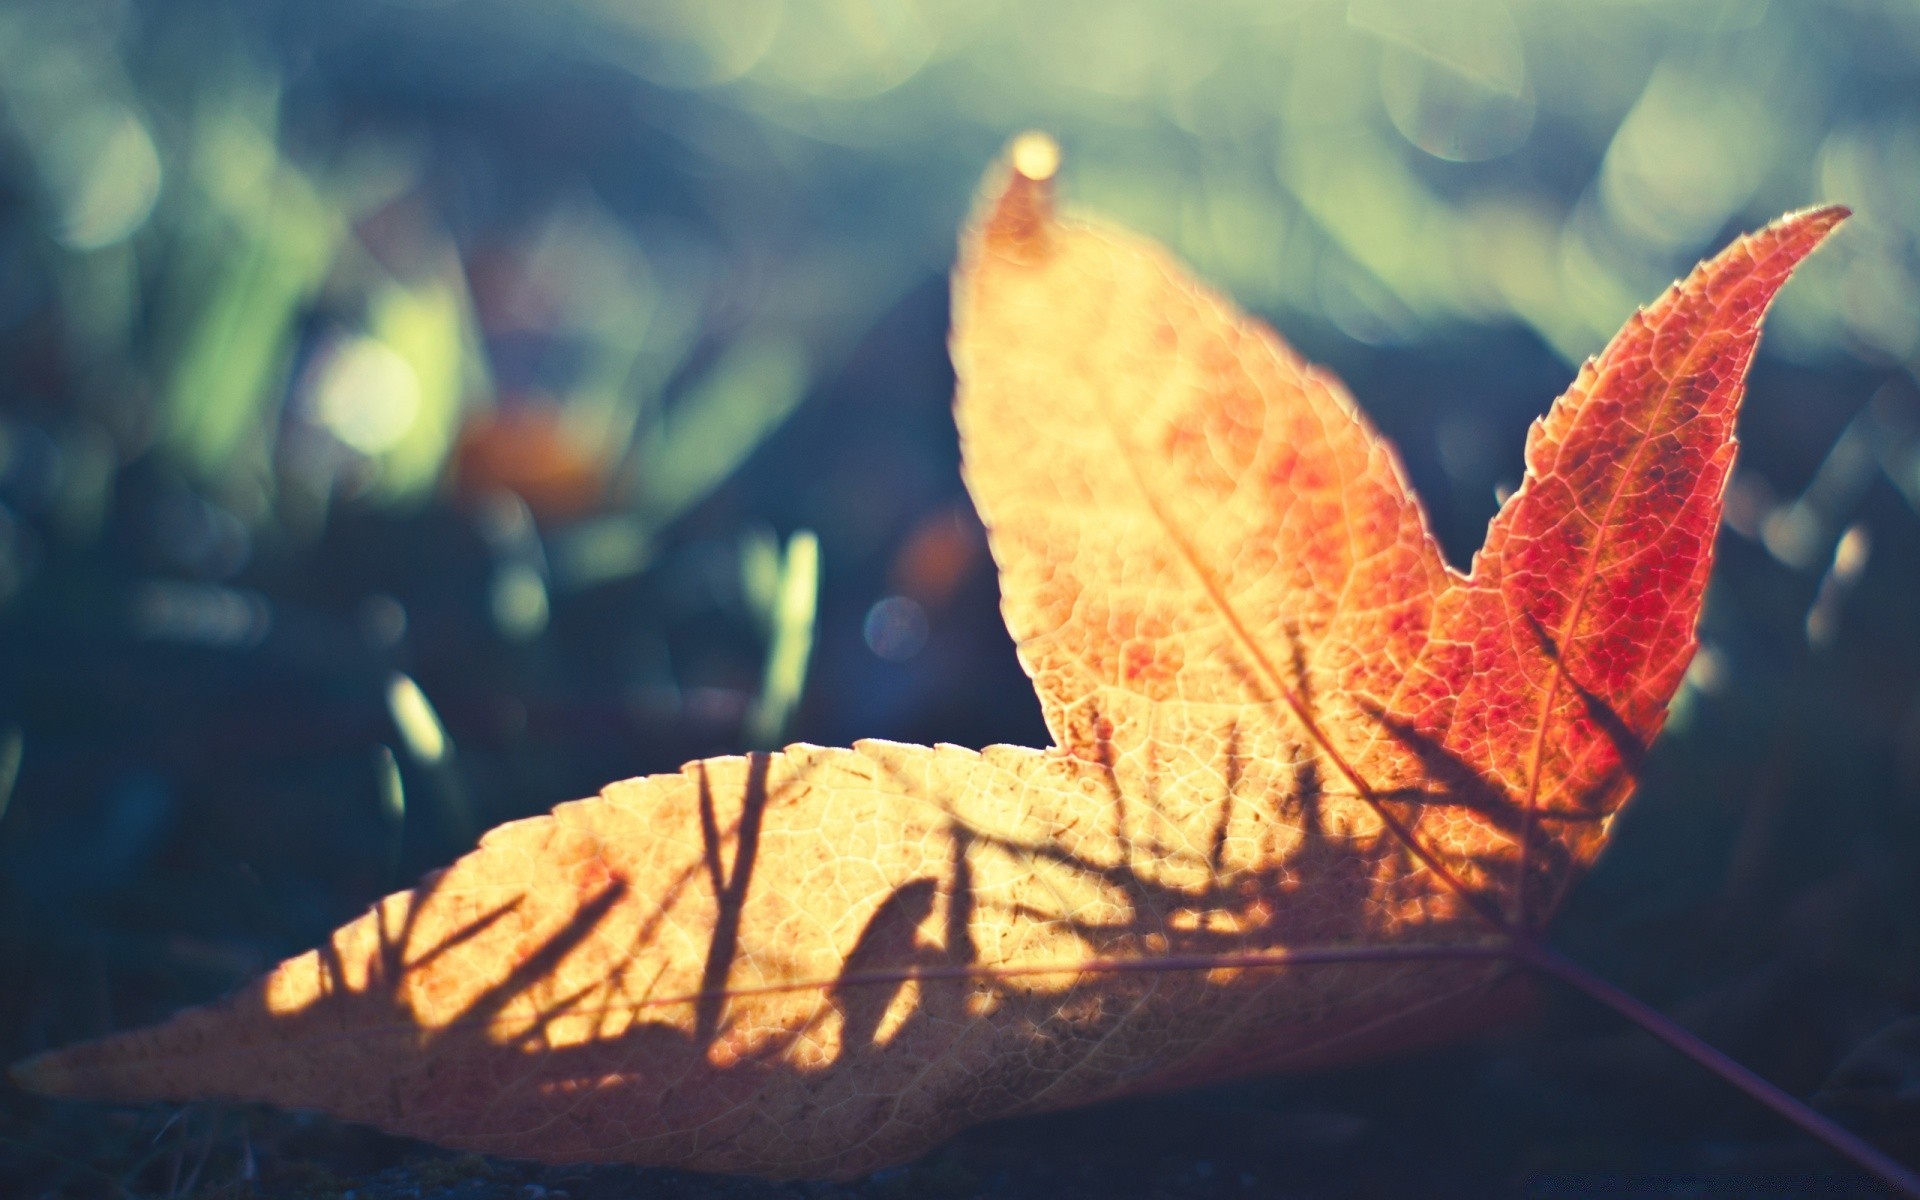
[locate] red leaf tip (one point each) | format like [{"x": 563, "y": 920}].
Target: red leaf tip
[
  {"x": 1826, "y": 216},
  {"x": 1808, "y": 227}
]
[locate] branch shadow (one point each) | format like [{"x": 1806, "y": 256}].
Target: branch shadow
[{"x": 568, "y": 1051}]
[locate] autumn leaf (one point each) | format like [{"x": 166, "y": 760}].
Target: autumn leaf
[{"x": 1311, "y": 788}]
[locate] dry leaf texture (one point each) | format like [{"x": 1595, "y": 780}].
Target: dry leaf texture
[{"x": 1308, "y": 784}]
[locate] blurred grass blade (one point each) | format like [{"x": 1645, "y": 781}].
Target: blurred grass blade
[
  {"x": 600, "y": 551},
  {"x": 517, "y": 593},
  {"x": 791, "y": 644},
  {"x": 68, "y": 100},
  {"x": 1850, "y": 556},
  {"x": 760, "y": 576},
  {"x": 518, "y": 598},
  {"x": 704, "y": 437},
  {"x": 13, "y": 744},
  {"x": 431, "y": 329},
  {"x": 427, "y": 744},
  {"x": 393, "y": 805},
  {"x": 419, "y": 725},
  {"x": 632, "y": 338},
  {"x": 216, "y": 403},
  {"x": 70, "y": 112},
  {"x": 269, "y": 244},
  {"x": 87, "y": 484}
]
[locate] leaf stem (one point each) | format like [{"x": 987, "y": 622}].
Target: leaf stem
[{"x": 1843, "y": 1141}]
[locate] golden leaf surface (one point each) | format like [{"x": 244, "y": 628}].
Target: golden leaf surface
[{"x": 1309, "y": 789}]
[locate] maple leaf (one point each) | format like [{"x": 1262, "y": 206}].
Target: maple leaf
[{"x": 1311, "y": 789}]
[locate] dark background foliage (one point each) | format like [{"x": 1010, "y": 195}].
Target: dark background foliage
[{"x": 414, "y": 413}]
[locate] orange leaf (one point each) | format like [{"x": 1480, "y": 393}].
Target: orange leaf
[{"x": 1310, "y": 786}]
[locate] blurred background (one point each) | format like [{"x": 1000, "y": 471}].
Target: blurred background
[{"x": 415, "y": 413}]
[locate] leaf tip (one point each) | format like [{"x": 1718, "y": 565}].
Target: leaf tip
[
  {"x": 1035, "y": 156},
  {"x": 1020, "y": 210},
  {"x": 1807, "y": 228}
]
